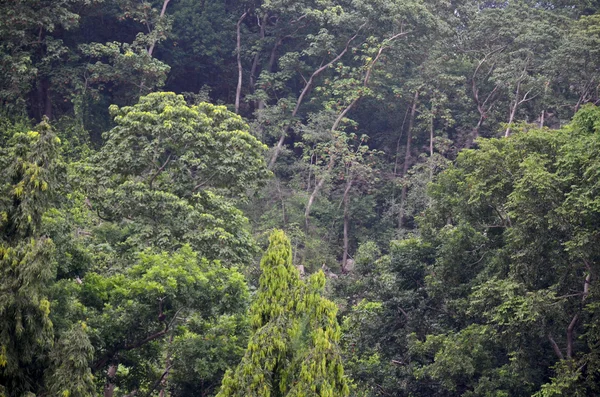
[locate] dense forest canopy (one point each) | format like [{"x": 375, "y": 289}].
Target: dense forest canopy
[{"x": 420, "y": 178}]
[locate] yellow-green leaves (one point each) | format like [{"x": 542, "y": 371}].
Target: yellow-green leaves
[{"x": 293, "y": 351}]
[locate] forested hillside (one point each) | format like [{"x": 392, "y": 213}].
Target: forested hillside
[{"x": 420, "y": 178}]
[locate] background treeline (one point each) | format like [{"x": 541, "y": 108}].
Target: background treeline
[{"x": 131, "y": 228}]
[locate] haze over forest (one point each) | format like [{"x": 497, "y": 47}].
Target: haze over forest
[{"x": 302, "y": 198}]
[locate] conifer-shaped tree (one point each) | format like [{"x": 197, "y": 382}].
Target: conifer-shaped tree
[
  {"x": 294, "y": 348},
  {"x": 29, "y": 354},
  {"x": 29, "y": 162}
]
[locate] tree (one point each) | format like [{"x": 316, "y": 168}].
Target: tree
[
  {"x": 496, "y": 294},
  {"x": 178, "y": 171},
  {"x": 515, "y": 264},
  {"x": 34, "y": 169},
  {"x": 293, "y": 350},
  {"x": 159, "y": 241}
]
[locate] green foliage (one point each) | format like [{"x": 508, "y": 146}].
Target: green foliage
[
  {"x": 123, "y": 243},
  {"x": 293, "y": 350},
  {"x": 32, "y": 164},
  {"x": 183, "y": 149},
  {"x": 178, "y": 171},
  {"x": 494, "y": 298},
  {"x": 69, "y": 373},
  {"x": 127, "y": 70}
]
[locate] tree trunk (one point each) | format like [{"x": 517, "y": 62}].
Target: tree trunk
[
  {"x": 162, "y": 14},
  {"x": 256, "y": 59},
  {"x": 431, "y": 138},
  {"x": 346, "y": 225},
  {"x": 570, "y": 331},
  {"x": 316, "y": 190},
  {"x": 513, "y": 111},
  {"x": 238, "y": 91},
  {"x": 305, "y": 90},
  {"x": 398, "y": 142},
  {"x": 44, "y": 104},
  {"x": 407, "y": 157}
]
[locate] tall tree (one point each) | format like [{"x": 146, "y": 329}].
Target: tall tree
[
  {"x": 33, "y": 166},
  {"x": 294, "y": 348}
]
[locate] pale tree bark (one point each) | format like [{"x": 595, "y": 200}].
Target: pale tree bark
[
  {"x": 484, "y": 105},
  {"x": 262, "y": 25},
  {"x": 570, "y": 334},
  {"x": 407, "y": 158},
  {"x": 238, "y": 91},
  {"x": 337, "y": 122},
  {"x": 571, "y": 328},
  {"x": 398, "y": 142},
  {"x": 316, "y": 190},
  {"x": 346, "y": 224},
  {"x": 431, "y": 137},
  {"x": 518, "y": 100},
  {"x": 162, "y": 14},
  {"x": 305, "y": 90}
]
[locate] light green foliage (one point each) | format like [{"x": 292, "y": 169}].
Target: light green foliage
[
  {"x": 183, "y": 149},
  {"x": 157, "y": 243},
  {"x": 129, "y": 67},
  {"x": 293, "y": 350},
  {"x": 34, "y": 172},
  {"x": 127, "y": 310},
  {"x": 177, "y": 170}
]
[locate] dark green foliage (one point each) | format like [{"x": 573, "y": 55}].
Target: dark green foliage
[
  {"x": 496, "y": 297},
  {"x": 123, "y": 243}
]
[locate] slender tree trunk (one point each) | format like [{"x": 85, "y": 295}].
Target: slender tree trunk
[
  {"x": 44, "y": 106},
  {"x": 332, "y": 159},
  {"x": 256, "y": 59},
  {"x": 272, "y": 58},
  {"x": 555, "y": 347},
  {"x": 571, "y": 328},
  {"x": 283, "y": 212},
  {"x": 513, "y": 111},
  {"x": 303, "y": 94},
  {"x": 48, "y": 100},
  {"x": 340, "y": 117},
  {"x": 162, "y": 14},
  {"x": 570, "y": 331},
  {"x": 431, "y": 149},
  {"x": 407, "y": 157},
  {"x": 431, "y": 138},
  {"x": 542, "y": 118},
  {"x": 238, "y": 91},
  {"x": 316, "y": 190},
  {"x": 398, "y": 142},
  {"x": 346, "y": 224}
]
